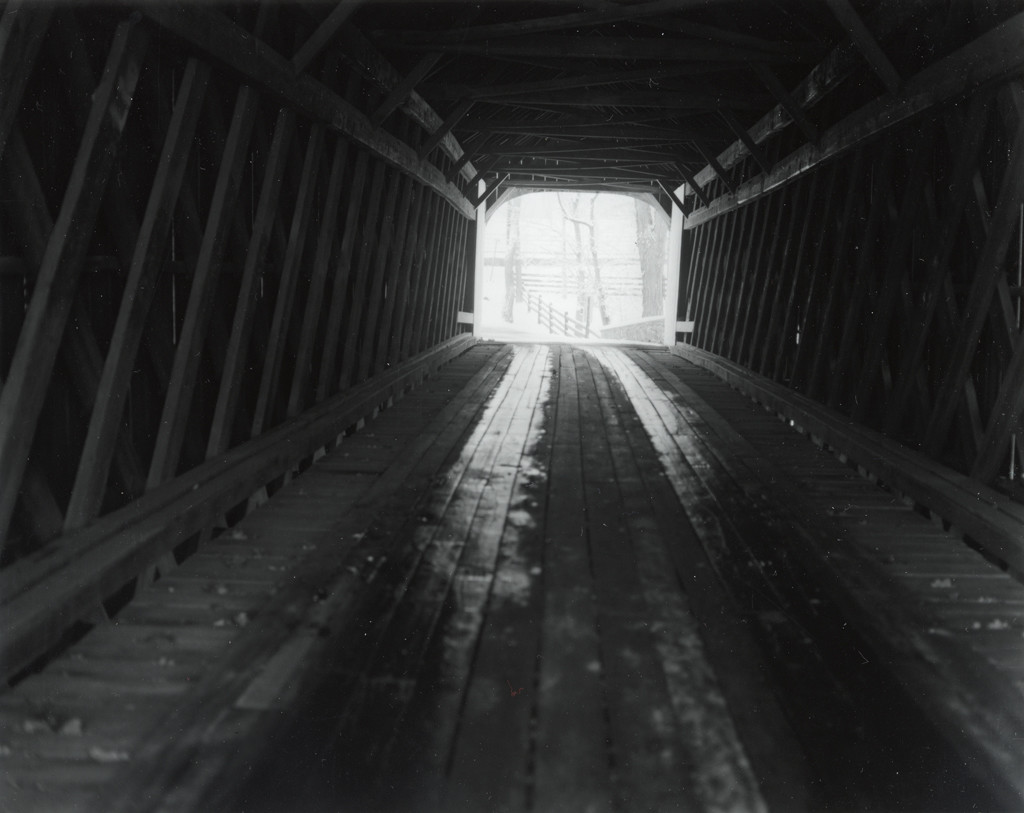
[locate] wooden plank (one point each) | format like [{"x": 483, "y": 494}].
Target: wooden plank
[
  {"x": 407, "y": 306},
  {"x": 719, "y": 171},
  {"x": 593, "y": 47},
  {"x": 368, "y": 60},
  {"x": 178, "y": 401},
  {"x": 823, "y": 328},
  {"x": 391, "y": 241},
  {"x": 570, "y": 735},
  {"x": 371, "y": 245},
  {"x": 301, "y": 225},
  {"x": 140, "y": 287},
  {"x": 340, "y": 278},
  {"x": 994, "y": 54},
  {"x": 226, "y": 407},
  {"x": 866, "y": 43},
  {"x": 991, "y": 519},
  {"x": 859, "y": 285},
  {"x": 457, "y": 114},
  {"x": 397, "y": 278},
  {"x": 753, "y": 259},
  {"x": 769, "y": 314},
  {"x": 400, "y": 92},
  {"x": 106, "y": 554},
  {"x": 1004, "y": 419},
  {"x": 414, "y": 311},
  {"x": 780, "y": 342},
  {"x": 324, "y": 35},
  {"x": 741, "y": 133},
  {"x": 22, "y": 28},
  {"x": 785, "y": 98},
  {"x": 303, "y": 365},
  {"x": 46, "y": 317},
  {"x": 229, "y": 44},
  {"x": 895, "y": 253},
  {"x": 762, "y": 281},
  {"x": 988, "y": 268}
]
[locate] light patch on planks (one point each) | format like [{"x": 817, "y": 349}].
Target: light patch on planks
[{"x": 724, "y": 778}]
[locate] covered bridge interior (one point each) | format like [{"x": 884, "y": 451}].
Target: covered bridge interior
[{"x": 280, "y": 532}]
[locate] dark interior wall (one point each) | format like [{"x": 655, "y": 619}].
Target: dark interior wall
[
  {"x": 192, "y": 256},
  {"x": 884, "y": 282}
]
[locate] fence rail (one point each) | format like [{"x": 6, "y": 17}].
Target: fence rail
[{"x": 558, "y": 322}]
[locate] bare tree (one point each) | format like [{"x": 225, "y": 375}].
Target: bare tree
[
  {"x": 513, "y": 261},
  {"x": 586, "y": 283}
]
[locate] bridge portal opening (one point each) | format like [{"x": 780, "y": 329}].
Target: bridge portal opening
[{"x": 574, "y": 265}]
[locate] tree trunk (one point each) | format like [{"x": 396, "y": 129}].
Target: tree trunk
[
  {"x": 651, "y": 234},
  {"x": 595, "y": 264},
  {"x": 513, "y": 265}
]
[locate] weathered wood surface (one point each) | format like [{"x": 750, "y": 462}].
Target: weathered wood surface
[{"x": 544, "y": 561}]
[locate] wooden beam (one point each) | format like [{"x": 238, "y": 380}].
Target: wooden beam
[
  {"x": 538, "y": 25},
  {"x": 231, "y": 391},
  {"x": 741, "y": 133},
  {"x": 657, "y": 99},
  {"x": 454, "y": 91},
  {"x": 987, "y": 270},
  {"x": 700, "y": 193},
  {"x": 100, "y": 559},
  {"x": 22, "y": 28},
  {"x": 291, "y": 267},
  {"x": 938, "y": 258},
  {"x": 302, "y": 367},
  {"x": 564, "y": 129},
  {"x": 178, "y": 400},
  {"x": 362, "y": 54},
  {"x": 840, "y": 63},
  {"x": 785, "y": 98},
  {"x": 324, "y": 34},
  {"x": 1004, "y": 418},
  {"x": 230, "y": 45},
  {"x": 866, "y": 43},
  {"x": 327, "y": 379},
  {"x": 708, "y": 156},
  {"x": 587, "y": 46},
  {"x": 453, "y": 118},
  {"x": 42, "y": 331},
  {"x": 136, "y": 299},
  {"x": 400, "y": 92},
  {"x": 995, "y": 54}
]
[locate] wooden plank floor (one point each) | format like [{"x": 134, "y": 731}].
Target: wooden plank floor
[{"x": 552, "y": 578}]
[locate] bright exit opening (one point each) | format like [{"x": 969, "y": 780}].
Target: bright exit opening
[{"x": 576, "y": 265}]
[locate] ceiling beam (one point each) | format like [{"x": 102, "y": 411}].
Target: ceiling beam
[
  {"x": 866, "y": 43},
  {"x": 607, "y": 131},
  {"x": 361, "y": 53},
  {"x": 994, "y": 55},
  {"x": 453, "y": 118},
  {"x": 324, "y": 35},
  {"x": 227, "y": 43},
  {"x": 400, "y": 92},
  {"x": 561, "y": 22},
  {"x": 783, "y": 97},
  {"x": 451, "y": 90},
  {"x": 617, "y": 48},
  {"x": 741, "y": 133},
  {"x": 658, "y": 99}
]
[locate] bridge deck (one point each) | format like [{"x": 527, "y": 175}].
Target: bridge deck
[{"x": 551, "y": 578}]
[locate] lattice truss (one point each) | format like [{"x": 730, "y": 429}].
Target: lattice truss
[
  {"x": 885, "y": 283},
  {"x": 192, "y": 258}
]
